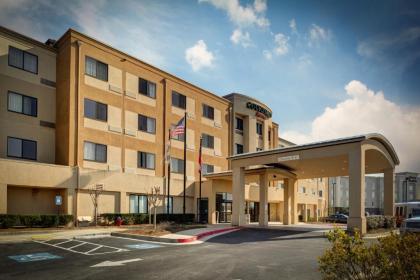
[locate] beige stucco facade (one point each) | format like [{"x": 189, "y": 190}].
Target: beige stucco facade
[{"x": 236, "y": 123}]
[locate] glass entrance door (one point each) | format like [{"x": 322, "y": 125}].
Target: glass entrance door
[{"x": 224, "y": 207}]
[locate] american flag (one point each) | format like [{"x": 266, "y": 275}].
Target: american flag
[{"x": 179, "y": 128}]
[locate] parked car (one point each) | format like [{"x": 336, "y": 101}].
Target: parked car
[
  {"x": 410, "y": 225},
  {"x": 337, "y": 218}
]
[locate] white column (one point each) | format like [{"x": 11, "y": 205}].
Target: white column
[
  {"x": 238, "y": 196},
  {"x": 290, "y": 202},
  {"x": 357, "y": 217},
  {"x": 263, "y": 217},
  {"x": 305, "y": 213},
  {"x": 389, "y": 192}
]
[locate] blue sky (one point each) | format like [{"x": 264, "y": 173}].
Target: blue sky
[{"x": 299, "y": 57}]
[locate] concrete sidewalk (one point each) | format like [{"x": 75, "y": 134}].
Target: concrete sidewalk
[{"x": 43, "y": 234}]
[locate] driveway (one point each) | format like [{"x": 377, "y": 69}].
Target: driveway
[{"x": 249, "y": 253}]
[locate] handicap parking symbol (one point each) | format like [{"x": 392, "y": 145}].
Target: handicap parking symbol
[
  {"x": 143, "y": 246},
  {"x": 34, "y": 257}
]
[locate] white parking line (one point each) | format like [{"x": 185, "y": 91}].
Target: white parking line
[{"x": 88, "y": 253}]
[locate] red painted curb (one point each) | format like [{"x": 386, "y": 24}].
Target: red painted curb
[{"x": 204, "y": 234}]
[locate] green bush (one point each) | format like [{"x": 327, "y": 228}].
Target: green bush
[
  {"x": 135, "y": 219},
  {"x": 377, "y": 221},
  {"x": 392, "y": 257},
  {"x": 7, "y": 221}
]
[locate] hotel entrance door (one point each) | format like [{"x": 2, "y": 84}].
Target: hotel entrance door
[{"x": 224, "y": 207}]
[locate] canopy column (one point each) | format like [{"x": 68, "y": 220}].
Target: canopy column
[
  {"x": 238, "y": 196},
  {"x": 290, "y": 202},
  {"x": 263, "y": 218}
]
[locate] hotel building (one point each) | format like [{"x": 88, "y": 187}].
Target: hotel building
[{"x": 77, "y": 113}]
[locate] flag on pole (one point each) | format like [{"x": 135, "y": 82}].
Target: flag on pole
[{"x": 179, "y": 128}]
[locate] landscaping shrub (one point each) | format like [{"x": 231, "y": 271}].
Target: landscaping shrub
[
  {"x": 7, "y": 221},
  {"x": 377, "y": 221},
  {"x": 392, "y": 257},
  {"x": 135, "y": 219}
]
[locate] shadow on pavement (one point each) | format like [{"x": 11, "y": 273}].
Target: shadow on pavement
[{"x": 250, "y": 235}]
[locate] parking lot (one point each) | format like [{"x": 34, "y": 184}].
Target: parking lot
[{"x": 245, "y": 254}]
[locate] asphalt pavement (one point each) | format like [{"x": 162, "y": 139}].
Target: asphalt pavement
[{"x": 245, "y": 254}]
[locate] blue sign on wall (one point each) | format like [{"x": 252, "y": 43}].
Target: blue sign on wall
[{"x": 34, "y": 257}]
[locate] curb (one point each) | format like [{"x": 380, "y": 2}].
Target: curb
[{"x": 172, "y": 240}]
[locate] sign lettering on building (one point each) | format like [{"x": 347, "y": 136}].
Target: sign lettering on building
[
  {"x": 288, "y": 158},
  {"x": 259, "y": 109}
]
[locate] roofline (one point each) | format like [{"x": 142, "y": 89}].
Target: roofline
[
  {"x": 28, "y": 39},
  {"x": 287, "y": 141},
  {"x": 171, "y": 76},
  {"x": 376, "y": 136},
  {"x": 249, "y": 97}
]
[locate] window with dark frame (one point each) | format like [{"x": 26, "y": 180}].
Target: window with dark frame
[
  {"x": 179, "y": 100},
  {"x": 208, "y": 168},
  {"x": 177, "y": 165},
  {"x": 22, "y": 104},
  {"x": 95, "y": 152},
  {"x": 147, "y": 124},
  {"x": 21, "y": 148},
  {"x": 259, "y": 128},
  {"x": 208, "y": 112},
  {"x": 23, "y": 60},
  {"x": 96, "y": 110},
  {"x": 208, "y": 141},
  {"x": 145, "y": 160},
  {"x": 239, "y": 124},
  {"x": 171, "y": 204},
  {"x": 138, "y": 204},
  {"x": 147, "y": 88},
  {"x": 96, "y": 69},
  {"x": 239, "y": 149}
]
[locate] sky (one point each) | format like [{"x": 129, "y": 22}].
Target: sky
[{"x": 327, "y": 69}]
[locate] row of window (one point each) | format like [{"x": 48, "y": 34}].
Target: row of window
[
  {"x": 23, "y": 60},
  {"x": 99, "y": 70},
  {"x": 139, "y": 204},
  {"x": 239, "y": 126}
]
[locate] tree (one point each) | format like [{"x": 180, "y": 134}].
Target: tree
[
  {"x": 94, "y": 195},
  {"x": 153, "y": 199}
]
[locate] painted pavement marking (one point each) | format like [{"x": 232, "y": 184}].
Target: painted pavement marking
[
  {"x": 116, "y": 263},
  {"x": 143, "y": 246},
  {"x": 34, "y": 257},
  {"x": 90, "y": 252}
]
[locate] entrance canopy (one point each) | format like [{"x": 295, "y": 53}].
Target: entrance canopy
[{"x": 352, "y": 156}]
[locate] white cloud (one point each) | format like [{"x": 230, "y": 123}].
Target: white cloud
[
  {"x": 366, "y": 111},
  {"x": 198, "y": 56},
  {"x": 242, "y": 16},
  {"x": 317, "y": 34},
  {"x": 282, "y": 45},
  {"x": 239, "y": 37},
  {"x": 293, "y": 26}
]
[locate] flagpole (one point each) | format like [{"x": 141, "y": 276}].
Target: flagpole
[
  {"x": 169, "y": 173},
  {"x": 185, "y": 163},
  {"x": 201, "y": 170}
]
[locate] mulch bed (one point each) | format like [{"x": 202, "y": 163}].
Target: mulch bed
[{"x": 162, "y": 229}]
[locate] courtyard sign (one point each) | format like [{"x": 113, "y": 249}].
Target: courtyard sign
[{"x": 259, "y": 109}]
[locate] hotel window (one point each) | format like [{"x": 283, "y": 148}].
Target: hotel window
[
  {"x": 23, "y": 60},
  {"x": 146, "y": 160},
  {"x": 171, "y": 204},
  {"x": 21, "y": 148},
  {"x": 208, "y": 141},
  {"x": 147, "y": 124},
  {"x": 320, "y": 193},
  {"x": 302, "y": 189},
  {"x": 147, "y": 88},
  {"x": 208, "y": 112},
  {"x": 138, "y": 204},
  {"x": 207, "y": 168},
  {"x": 239, "y": 149},
  {"x": 259, "y": 128},
  {"x": 259, "y": 149},
  {"x": 95, "y": 152},
  {"x": 239, "y": 124},
  {"x": 96, "y": 110},
  {"x": 179, "y": 137},
  {"x": 22, "y": 104},
  {"x": 96, "y": 69},
  {"x": 179, "y": 100},
  {"x": 177, "y": 165}
]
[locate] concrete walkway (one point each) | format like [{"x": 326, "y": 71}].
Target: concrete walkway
[{"x": 322, "y": 227}]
